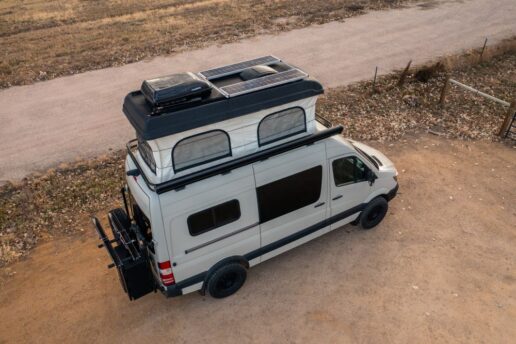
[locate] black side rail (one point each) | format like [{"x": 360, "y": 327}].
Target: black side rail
[
  {"x": 323, "y": 121},
  {"x": 181, "y": 182},
  {"x": 108, "y": 244}
]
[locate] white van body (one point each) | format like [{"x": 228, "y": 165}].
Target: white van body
[
  {"x": 192, "y": 257},
  {"x": 231, "y": 167}
]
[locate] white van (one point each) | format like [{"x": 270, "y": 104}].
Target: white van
[{"x": 232, "y": 167}]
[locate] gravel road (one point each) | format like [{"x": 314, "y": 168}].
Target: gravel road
[{"x": 80, "y": 116}]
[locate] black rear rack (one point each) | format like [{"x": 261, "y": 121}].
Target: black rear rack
[
  {"x": 131, "y": 260},
  {"x": 181, "y": 182}
]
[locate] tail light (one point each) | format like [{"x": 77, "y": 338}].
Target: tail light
[{"x": 165, "y": 272}]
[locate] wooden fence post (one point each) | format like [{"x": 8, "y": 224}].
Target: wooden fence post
[
  {"x": 483, "y": 49},
  {"x": 374, "y": 80},
  {"x": 403, "y": 76},
  {"x": 444, "y": 91},
  {"x": 508, "y": 118}
]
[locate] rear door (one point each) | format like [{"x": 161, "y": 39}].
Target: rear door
[
  {"x": 211, "y": 220},
  {"x": 292, "y": 198},
  {"x": 349, "y": 188}
]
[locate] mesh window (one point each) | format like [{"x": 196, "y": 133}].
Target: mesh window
[
  {"x": 281, "y": 125},
  {"x": 146, "y": 154},
  {"x": 200, "y": 149}
]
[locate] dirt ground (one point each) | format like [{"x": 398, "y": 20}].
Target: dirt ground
[
  {"x": 80, "y": 117},
  {"x": 440, "y": 268}
]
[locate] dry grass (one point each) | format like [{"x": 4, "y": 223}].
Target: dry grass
[
  {"x": 44, "y": 39},
  {"x": 392, "y": 111}
]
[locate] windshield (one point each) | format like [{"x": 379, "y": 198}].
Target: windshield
[{"x": 365, "y": 155}]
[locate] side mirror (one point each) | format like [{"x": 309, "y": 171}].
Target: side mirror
[
  {"x": 134, "y": 173},
  {"x": 371, "y": 177}
]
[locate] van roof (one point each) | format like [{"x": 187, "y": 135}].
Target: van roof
[{"x": 238, "y": 89}]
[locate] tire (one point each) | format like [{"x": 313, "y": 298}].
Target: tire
[
  {"x": 374, "y": 213},
  {"x": 226, "y": 280}
]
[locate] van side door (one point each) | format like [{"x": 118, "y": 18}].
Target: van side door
[
  {"x": 292, "y": 195},
  {"x": 349, "y": 188}
]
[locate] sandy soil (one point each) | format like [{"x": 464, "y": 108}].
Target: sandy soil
[
  {"x": 80, "y": 116},
  {"x": 440, "y": 268}
]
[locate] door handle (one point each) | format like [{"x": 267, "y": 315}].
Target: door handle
[
  {"x": 319, "y": 204},
  {"x": 336, "y": 197}
]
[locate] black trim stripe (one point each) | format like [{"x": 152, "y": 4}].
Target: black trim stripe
[
  {"x": 175, "y": 290},
  {"x": 302, "y": 233}
]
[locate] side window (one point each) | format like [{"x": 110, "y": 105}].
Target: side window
[
  {"x": 290, "y": 193},
  {"x": 349, "y": 170},
  {"x": 280, "y": 125},
  {"x": 200, "y": 149},
  {"x": 214, "y": 217}
]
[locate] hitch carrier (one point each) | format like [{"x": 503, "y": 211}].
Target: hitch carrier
[{"x": 130, "y": 260}]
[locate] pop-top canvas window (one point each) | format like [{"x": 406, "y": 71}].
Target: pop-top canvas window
[
  {"x": 201, "y": 149},
  {"x": 146, "y": 154},
  {"x": 280, "y": 125}
]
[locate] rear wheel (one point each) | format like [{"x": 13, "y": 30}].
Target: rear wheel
[
  {"x": 227, "y": 280},
  {"x": 373, "y": 213}
]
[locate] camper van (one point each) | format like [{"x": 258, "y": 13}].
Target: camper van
[{"x": 230, "y": 167}]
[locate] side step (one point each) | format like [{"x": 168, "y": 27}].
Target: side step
[{"x": 181, "y": 182}]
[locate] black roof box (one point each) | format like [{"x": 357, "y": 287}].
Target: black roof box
[{"x": 175, "y": 88}]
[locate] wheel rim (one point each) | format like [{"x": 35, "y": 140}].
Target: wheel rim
[
  {"x": 227, "y": 281},
  {"x": 374, "y": 213}
]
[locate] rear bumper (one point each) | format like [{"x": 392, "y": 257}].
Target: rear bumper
[
  {"x": 391, "y": 194},
  {"x": 171, "y": 291}
]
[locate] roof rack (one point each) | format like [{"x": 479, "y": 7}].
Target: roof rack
[
  {"x": 220, "y": 72},
  {"x": 291, "y": 74},
  {"x": 271, "y": 80},
  {"x": 181, "y": 182}
]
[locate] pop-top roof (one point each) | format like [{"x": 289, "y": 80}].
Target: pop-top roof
[{"x": 237, "y": 89}]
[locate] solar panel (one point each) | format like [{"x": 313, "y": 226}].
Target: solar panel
[
  {"x": 272, "y": 80},
  {"x": 238, "y": 67}
]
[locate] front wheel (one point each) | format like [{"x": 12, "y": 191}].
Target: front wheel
[
  {"x": 373, "y": 213},
  {"x": 227, "y": 280}
]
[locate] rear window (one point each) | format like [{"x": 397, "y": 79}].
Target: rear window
[{"x": 214, "y": 217}]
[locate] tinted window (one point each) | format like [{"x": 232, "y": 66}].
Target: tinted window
[
  {"x": 214, "y": 217},
  {"x": 281, "y": 125},
  {"x": 201, "y": 149},
  {"x": 349, "y": 170},
  {"x": 288, "y": 194}
]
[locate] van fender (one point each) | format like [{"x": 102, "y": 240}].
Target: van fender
[
  {"x": 380, "y": 192},
  {"x": 233, "y": 259}
]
